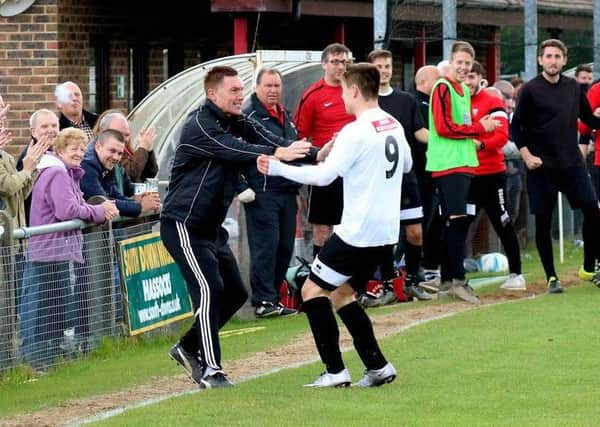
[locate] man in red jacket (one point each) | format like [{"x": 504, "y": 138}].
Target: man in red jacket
[
  {"x": 593, "y": 96},
  {"x": 320, "y": 115},
  {"x": 487, "y": 189}
]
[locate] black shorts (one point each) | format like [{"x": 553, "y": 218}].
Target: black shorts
[
  {"x": 489, "y": 192},
  {"x": 411, "y": 208},
  {"x": 453, "y": 190},
  {"x": 339, "y": 262},
  {"x": 543, "y": 186},
  {"x": 325, "y": 204}
]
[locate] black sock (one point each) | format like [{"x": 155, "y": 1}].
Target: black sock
[
  {"x": 387, "y": 265},
  {"x": 543, "y": 241},
  {"x": 316, "y": 250},
  {"x": 412, "y": 256},
  {"x": 325, "y": 332},
  {"x": 510, "y": 242},
  {"x": 360, "y": 327},
  {"x": 456, "y": 234},
  {"x": 589, "y": 230}
]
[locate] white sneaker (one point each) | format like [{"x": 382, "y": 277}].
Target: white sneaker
[
  {"x": 377, "y": 377},
  {"x": 515, "y": 282},
  {"x": 341, "y": 379}
]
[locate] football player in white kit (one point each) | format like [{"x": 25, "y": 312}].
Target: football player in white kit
[{"x": 371, "y": 154}]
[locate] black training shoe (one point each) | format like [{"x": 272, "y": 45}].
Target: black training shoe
[
  {"x": 266, "y": 309},
  {"x": 596, "y": 279},
  {"x": 216, "y": 380},
  {"x": 285, "y": 311},
  {"x": 367, "y": 301},
  {"x": 554, "y": 286},
  {"x": 188, "y": 362}
]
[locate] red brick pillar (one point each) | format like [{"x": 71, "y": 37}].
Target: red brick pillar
[
  {"x": 420, "y": 51},
  {"x": 240, "y": 35},
  {"x": 340, "y": 33},
  {"x": 492, "y": 57}
]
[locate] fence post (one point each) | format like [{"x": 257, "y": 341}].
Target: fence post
[{"x": 9, "y": 344}]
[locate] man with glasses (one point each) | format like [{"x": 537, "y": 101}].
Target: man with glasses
[{"x": 320, "y": 115}]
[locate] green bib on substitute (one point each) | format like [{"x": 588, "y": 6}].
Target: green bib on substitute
[{"x": 446, "y": 153}]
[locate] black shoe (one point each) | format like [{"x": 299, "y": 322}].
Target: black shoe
[
  {"x": 366, "y": 301},
  {"x": 285, "y": 311},
  {"x": 216, "y": 380},
  {"x": 554, "y": 286},
  {"x": 188, "y": 362},
  {"x": 266, "y": 309},
  {"x": 596, "y": 279}
]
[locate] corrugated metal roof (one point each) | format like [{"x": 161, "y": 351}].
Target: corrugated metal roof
[{"x": 167, "y": 106}]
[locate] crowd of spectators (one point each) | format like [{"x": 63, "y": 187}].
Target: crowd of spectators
[
  {"x": 71, "y": 157},
  {"x": 75, "y": 155}
]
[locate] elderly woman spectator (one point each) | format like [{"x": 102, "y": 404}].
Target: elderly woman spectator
[{"x": 57, "y": 197}]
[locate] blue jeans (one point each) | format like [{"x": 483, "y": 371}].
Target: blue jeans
[{"x": 47, "y": 293}]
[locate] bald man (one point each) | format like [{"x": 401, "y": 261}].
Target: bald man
[
  {"x": 508, "y": 94},
  {"x": 494, "y": 91},
  {"x": 425, "y": 78},
  {"x": 69, "y": 101}
]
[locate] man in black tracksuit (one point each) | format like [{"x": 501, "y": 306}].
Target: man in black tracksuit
[
  {"x": 216, "y": 139},
  {"x": 544, "y": 127},
  {"x": 271, "y": 214}
]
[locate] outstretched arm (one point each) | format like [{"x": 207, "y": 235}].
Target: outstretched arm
[{"x": 320, "y": 175}]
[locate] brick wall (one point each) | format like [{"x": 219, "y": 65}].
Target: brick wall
[{"x": 28, "y": 65}]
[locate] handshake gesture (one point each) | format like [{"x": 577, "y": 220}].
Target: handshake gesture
[{"x": 296, "y": 150}]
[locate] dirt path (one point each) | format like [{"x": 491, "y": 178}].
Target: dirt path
[{"x": 300, "y": 350}]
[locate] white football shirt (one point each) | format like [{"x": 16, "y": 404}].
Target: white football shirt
[{"x": 371, "y": 154}]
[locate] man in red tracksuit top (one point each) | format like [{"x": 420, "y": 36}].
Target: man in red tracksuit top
[
  {"x": 488, "y": 186},
  {"x": 593, "y": 96},
  {"x": 320, "y": 114},
  {"x": 451, "y": 159}
]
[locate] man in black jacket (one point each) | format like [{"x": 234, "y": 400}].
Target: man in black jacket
[
  {"x": 215, "y": 141},
  {"x": 99, "y": 164},
  {"x": 270, "y": 203}
]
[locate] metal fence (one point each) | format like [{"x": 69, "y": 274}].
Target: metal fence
[
  {"x": 52, "y": 311},
  {"x": 56, "y": 310}
]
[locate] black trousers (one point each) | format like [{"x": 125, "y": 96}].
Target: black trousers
[
  {"x": 271, "y": 224},
  {"x": 488, "y": 192},
  {"x": 432, "y": 222},
  {"x": 214, "y": 284}
]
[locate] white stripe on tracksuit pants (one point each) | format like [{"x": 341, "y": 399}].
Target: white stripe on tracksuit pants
[{"x": 214, "y": 284}]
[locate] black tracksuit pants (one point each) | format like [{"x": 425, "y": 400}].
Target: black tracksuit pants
[
  {"x": 271, "y": 225},
  {"x": 214, "y": 284}
]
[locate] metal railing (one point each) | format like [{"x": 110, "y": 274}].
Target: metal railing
[{"x": 57, "y": 310}]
